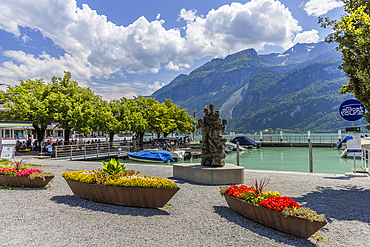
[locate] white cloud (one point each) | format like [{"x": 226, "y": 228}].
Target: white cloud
[
  {"x": 307, "y": 37},
  {"x": 171, "y": 66},
  {"x": 25, "y": 38},
  {"x": 154, "y": 87},
  {"x": 321, "y": 7},
  {"x": 96, "y": 47},
  {"x": 188, "y": 16}
]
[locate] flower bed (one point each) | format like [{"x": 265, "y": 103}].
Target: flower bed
[
  {"x": 116, "y": 185},
  {"x": 20, "y": 176},
  {"x": 272, "y": 210}
]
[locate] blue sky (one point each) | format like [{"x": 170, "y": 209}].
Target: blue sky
[{"x": 122, "y": 48}]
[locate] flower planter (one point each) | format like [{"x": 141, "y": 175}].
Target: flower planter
[
  {"x": 124, "y": 196},
  {"x": 291, "y": 224},
  {"x": 23, "y": 181}
]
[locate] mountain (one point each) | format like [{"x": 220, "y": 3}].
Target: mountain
[{"x": 297, "y": 89}]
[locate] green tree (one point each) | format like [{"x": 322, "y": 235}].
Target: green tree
[
  {"x": 138, "y": 107},
  {"x": 148, "y": 115},
  {"x": 30, "y": 101},
  {"x": 112, "y": 117},
  {"x": 159, "y": 119},
  {"x": 352, "y": 33},
  {"x": 73, "y": 107},
  {"x": 182, "y": 121}
]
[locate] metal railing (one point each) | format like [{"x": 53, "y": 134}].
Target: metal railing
[
  {"x": 297, "y": 138},
  {"x": 87, "y": 151},
  {"x": 365, "y": 159}
]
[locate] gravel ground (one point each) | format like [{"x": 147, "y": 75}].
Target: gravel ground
[{"x": 197, "y": 216}]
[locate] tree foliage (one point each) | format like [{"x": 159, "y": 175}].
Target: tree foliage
[
  {"x": 112, "y": 117},
  {"x": 182, "y": 121},
  {"x": 352, "y": 33},
  {"x": 72, "y": 106},
  {"x": 30, "y": 101},
  {"x": 148, "y": 115}
]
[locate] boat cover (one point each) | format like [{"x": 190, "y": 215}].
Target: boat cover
[
  {"x": 151, "y": 156},
  {"x": 244, "y": 141}
]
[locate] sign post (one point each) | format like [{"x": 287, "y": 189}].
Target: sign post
[
  {"x": 352, "y": 110},
  {"x": 353, "y": 145},
  {"x": 7, "y": 152}
]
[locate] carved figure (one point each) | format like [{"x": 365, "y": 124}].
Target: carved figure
[{"x": 213, "y": 144}]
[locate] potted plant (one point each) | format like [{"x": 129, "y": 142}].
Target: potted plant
[
  {"x": 18, "y": 175},
  {"x": 115, "y": 185},
  {"x": 272, "y": 210}
]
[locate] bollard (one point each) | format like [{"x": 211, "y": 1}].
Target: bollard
[
  {"x": 237, "y": 153},
  {"x": 260, "y": 136},
  {"x": 281, "y": 136},
  {"x": 339, "y": 135},
  {"x": 310, "y": 154}
]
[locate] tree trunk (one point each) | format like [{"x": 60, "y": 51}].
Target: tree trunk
[
  {"x": 111, "y": 136},
  {"x": 66, "y": 135},
  {"x": 140, "y": 136},
  {"x": 158, "y": 135},
  {"x": 40, "y": 132}
]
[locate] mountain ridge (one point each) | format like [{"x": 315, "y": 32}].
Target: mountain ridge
[{"x": 256, "y": 92}]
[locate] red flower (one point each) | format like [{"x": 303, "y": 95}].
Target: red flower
[
  {"x": 278, "y": 203},
  {"x": 238, "y": 191}
]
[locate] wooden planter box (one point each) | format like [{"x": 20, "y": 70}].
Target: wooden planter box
[
  {"x": 291, "y": 224},
  {"x": 23, "y": 181},
  {"x": 124, "y": 196}
]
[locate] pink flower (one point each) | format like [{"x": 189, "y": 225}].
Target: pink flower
[{"x": 28, "y": 172}]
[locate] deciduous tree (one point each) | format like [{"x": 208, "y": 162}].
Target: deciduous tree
[
  {"x": 352, "y": 33},
  {"x": 30, "y": 101},
  {"x": 73, "y": 107}
]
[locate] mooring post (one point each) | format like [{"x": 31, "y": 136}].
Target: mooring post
[
  {"x": 281, "y": 135},
  {"x": 310, "y": 154},
  {"x": 260, "y": 136},
  {"x": 237, "y": 153},
  {"x": 339, "y": 136},
  {"x": 354, "y": 163}
]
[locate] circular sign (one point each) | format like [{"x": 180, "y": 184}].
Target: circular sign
[{"x": 351, "y": 110}]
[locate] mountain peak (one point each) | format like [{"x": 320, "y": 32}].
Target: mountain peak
[{"x": 300, "y": 52}]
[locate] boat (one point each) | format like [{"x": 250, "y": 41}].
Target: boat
[
  {"x": 245, "y": 141},
  {"x": 177, "y": 155},
  {"x": 159, "y": 156}
]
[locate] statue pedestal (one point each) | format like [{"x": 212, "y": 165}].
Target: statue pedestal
[{"x": 228, "y": 174}]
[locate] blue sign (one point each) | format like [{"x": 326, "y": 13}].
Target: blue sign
[{"x": 351, "y": 110}]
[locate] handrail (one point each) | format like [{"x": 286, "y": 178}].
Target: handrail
[
  {"x": 365, "y": 159},
  {"x": 84, "y": 150},
  {"x": 298, "y": 138}
]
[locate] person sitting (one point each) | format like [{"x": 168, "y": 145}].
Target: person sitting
[
  {"x": 24, "y": 146},
  {"x": 34, "y": 145},
  {"x": 49, "y": 148}
]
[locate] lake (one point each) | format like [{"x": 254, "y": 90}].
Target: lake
[{"x": 325, "y": 160}]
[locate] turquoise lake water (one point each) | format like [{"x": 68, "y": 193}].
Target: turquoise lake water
[{"x": 325, "y": 160}]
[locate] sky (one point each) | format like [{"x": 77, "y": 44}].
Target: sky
[{"x": 122, "y": 48}]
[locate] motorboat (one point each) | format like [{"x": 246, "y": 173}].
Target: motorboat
[
  {"x": 177, "y": 155},
  {"x": 158, "y": 156}
]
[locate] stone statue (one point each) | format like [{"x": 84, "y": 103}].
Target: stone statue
[{"x": 213, "y": 144}]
